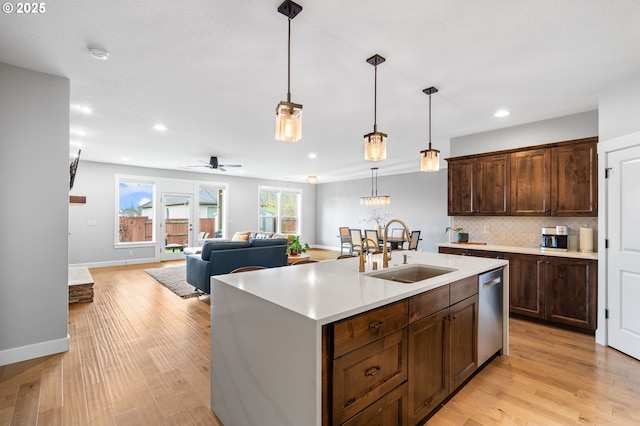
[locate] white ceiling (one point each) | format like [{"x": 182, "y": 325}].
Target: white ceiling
[{"x": 214, "y": 71}]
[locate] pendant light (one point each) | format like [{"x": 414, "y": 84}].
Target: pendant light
[
  {"x": 430, "y": 158},
  {"x": 375, "y": 143},
  {"x": 289, "y": 114},
  {"x": 375, "y": 199}
]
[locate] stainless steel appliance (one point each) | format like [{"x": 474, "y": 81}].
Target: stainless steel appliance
[
  {"x": 490, "y": 312},
  {"x": 555, "y": 238}
]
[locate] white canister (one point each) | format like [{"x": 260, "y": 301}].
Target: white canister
[{"x": 586, "y": 240}]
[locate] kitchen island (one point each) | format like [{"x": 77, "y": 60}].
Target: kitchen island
[{"x": 268, "y": 354}]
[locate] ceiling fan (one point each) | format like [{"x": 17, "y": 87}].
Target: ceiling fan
[{"x": 213, "y": 164}]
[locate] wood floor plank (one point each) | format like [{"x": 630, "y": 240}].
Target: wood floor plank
[{"x": 139, "y": 354}]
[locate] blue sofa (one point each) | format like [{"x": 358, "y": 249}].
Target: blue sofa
[{"x": 223, "y": 256}]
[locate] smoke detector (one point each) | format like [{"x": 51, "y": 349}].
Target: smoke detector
[{"x": 99, "y": 53}]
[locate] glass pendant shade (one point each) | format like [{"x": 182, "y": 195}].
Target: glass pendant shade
[
  {"x": 430, "y": 160},
  {"x": 375, "y": 199},
  {"x": 378, "y": 200},
  {"x": 375, "y": 146},
  {"x": 288, "y": 122}
]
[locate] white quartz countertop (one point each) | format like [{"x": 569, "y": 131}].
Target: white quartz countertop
[
  {"x": 331, "y": 290},
  {"x": 522, "y": 250}
]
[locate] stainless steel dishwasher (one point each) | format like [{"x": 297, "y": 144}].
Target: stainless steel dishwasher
[{"x": 489, "y": 314}]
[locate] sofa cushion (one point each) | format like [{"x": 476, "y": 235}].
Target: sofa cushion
[
  {"x": 210, "y": 246},
  {"x": 264, "y": 242},
  {"x": 241, "y": 236}
]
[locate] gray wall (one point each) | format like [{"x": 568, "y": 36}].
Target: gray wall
[
  {"x": 419, "y": 199},
  {"x": 620, "y": 109},
  {"x": 34, "y": 169},
  {"x": 558, "y": 129},
  {"x": 94, "y": 245}
]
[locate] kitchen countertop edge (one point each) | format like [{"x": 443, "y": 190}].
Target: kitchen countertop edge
[{"x": 522, "y": 250}]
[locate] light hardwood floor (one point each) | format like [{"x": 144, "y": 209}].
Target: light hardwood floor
[{"x": 140, "y": 355}]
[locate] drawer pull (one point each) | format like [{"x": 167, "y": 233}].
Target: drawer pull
[
  {"x": 373, "y": 371},
  {"x": 378, "y": 325}
]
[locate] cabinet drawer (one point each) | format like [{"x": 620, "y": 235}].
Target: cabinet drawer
[
  {"x": 354, "y": 332},
  {"x": 366, "y": 374},
  {"x": 462, "y": 289},
  {"x": 390, "y": 410},
  {"x": 429, "y": 302}
]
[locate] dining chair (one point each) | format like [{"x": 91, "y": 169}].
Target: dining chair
[
  {"x": 356, "y": 241},
  {"x": 372, "y": 234},
  {"x": 345, "y": 239},
  {"x": 415, "y": 239},
  {"x": 397, "y": 237}
]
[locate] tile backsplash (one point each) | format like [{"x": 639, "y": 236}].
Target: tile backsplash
[{"x": 521, "y": 231}]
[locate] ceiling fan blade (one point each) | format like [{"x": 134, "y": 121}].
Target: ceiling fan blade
[
  {"x": 230, "y": 165},
  {"x": 200, "y": 165}
]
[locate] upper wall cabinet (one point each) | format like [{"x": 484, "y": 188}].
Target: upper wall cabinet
[
  {"x": 574, "y": 180},
  {"x": 557, "y": 179},
  {"x": 479, "y": 186},
  {"x": 531, "y": 182}
]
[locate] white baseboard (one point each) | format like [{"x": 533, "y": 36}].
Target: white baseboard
[
  {"x": 36, "y": 350},
  {"x": 117, "y": 262}
]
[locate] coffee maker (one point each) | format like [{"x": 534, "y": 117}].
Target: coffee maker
[{"x": 555, "y": 238}]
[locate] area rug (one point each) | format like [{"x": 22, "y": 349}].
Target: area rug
[{"x": 173, "y": 278}]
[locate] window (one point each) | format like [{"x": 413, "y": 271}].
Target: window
[
  {"x": 211, "y": 210},
  {"x": 279, "y": 210},
  {"x": 136, "y": 211}
]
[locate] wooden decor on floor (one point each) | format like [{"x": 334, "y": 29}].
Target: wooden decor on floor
[{"x": 140, "y": 355}]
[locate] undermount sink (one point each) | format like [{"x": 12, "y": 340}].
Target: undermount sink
[{"x": 410, "y": 274}]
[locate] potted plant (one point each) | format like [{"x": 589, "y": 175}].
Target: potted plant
[
  {"x": 296, "y": 247},
  {"x": 461, "y": 237}
]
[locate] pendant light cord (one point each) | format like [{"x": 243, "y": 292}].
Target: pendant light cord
[
  {"x": 375, "y": 99},
  {"x": 289, "y": 64},
  {"x": 429, "y": 121}
]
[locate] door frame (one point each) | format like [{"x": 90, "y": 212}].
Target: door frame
[
  {"x": 604, "y": 148},
  {"x": 175, "y": 255}
]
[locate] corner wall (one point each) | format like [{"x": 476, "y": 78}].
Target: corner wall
[{"x": 34, "y": 170}]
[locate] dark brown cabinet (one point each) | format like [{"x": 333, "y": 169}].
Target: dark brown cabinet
[
  {"x": 531, "y": 182},
  {"x": 396, "y": 364},
  {"x": 479, "y": 186},
  {"x": 571, "y": 292},
  {"x": 574, "y": 179},
  {"x": 526, "y": 284},
  {"x": 557, "y": 179},
  {"x": 560, "y": 290},
  {"x": 493, "y": 182},
  {"x": 443, "y": 346},
  {"x": 461, "y": 188}
]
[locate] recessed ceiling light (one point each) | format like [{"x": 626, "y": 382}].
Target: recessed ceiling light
[
  {"x": 125, "y": 158},
  {"x": 160, "y": 127},
  {"x": 501, "y": 113},
  {"x": 77, "y": 132},
  {"x": 98, "y": 53},
  {"x": 312, "y": 155}
]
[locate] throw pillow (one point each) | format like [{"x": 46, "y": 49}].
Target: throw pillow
[{"x": 241, "y": 236}]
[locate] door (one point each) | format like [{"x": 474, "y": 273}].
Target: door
[
  {"x": 531, "y": 182},
  {"x": 461, "y": 187},
  {"x": 493, "y": 181},
  {"x": 623, "y": 270},
  {"x": 177, "y": 224}
]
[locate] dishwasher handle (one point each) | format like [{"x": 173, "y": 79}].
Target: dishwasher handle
[
  {"x": 493, "y": 282},
  {"x": 491, "y": 278}
]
